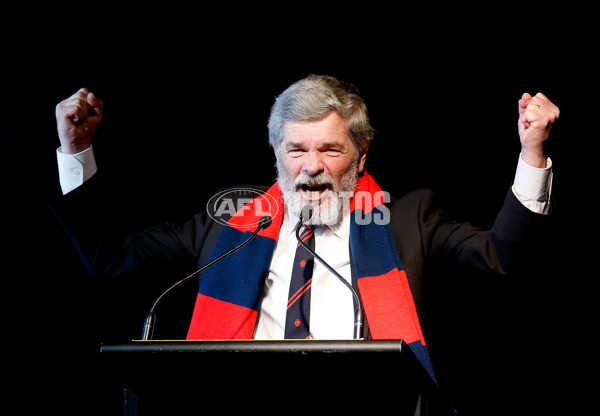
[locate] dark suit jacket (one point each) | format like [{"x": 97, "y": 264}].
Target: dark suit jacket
[{"x": 427, "y": 240}]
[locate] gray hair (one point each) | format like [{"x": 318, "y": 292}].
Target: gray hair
[{"x": 313, "y": 98}]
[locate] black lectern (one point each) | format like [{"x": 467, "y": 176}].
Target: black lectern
[{"x": 266, "y": 377}]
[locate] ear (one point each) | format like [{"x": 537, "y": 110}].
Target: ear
[{"x": 362, "y": 160}]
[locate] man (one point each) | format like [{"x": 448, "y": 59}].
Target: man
[{"x": 384, "y": 247}]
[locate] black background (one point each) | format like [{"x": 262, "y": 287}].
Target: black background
[{"x": 187, "y": 98}]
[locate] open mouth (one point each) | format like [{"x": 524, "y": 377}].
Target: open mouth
[{"x": 313, "y": 192}]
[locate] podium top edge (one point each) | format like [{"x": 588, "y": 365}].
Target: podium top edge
[{"x": 257, "y": 346}]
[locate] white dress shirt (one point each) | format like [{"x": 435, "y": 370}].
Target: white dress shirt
[
  {"x": 331, "y": 302},
  {"x": 332, "y": 310}
]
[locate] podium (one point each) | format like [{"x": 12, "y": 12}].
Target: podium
[{"x": 266, "y": 377}]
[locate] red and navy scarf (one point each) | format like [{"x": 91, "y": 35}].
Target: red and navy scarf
[{"x": 230, "y": 292}]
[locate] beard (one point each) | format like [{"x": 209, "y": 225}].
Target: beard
[{"x": 328, "y": 210}]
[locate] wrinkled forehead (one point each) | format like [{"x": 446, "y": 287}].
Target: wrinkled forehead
[{"x": 329, "y": 130}]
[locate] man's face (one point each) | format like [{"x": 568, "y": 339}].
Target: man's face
[{"x": 317, "y": 162}]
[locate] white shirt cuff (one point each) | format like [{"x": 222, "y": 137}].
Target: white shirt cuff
[
  {"x": 532, "y": 186},
  {"x": 74, "y": 170}
]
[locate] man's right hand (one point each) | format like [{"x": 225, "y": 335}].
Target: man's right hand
[{"x": 77, "y": 120}]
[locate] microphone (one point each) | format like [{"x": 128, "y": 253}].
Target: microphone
[
  {"x": 305, "y": 215},
  {"x": 148, "y": 330}
]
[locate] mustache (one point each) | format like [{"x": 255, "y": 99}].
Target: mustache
[{"x": 313, "y": 182}]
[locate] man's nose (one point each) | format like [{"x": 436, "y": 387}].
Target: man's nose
[{"x": 312, "y": 163}]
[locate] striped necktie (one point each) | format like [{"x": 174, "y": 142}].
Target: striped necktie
[{"x": 298, "y": 309}]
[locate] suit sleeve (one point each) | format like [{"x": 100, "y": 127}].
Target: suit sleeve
[
  {"x": 514, "y": 234},
  {"x": 428, "y": 239},
  {"x": 107, "y": 246}
]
